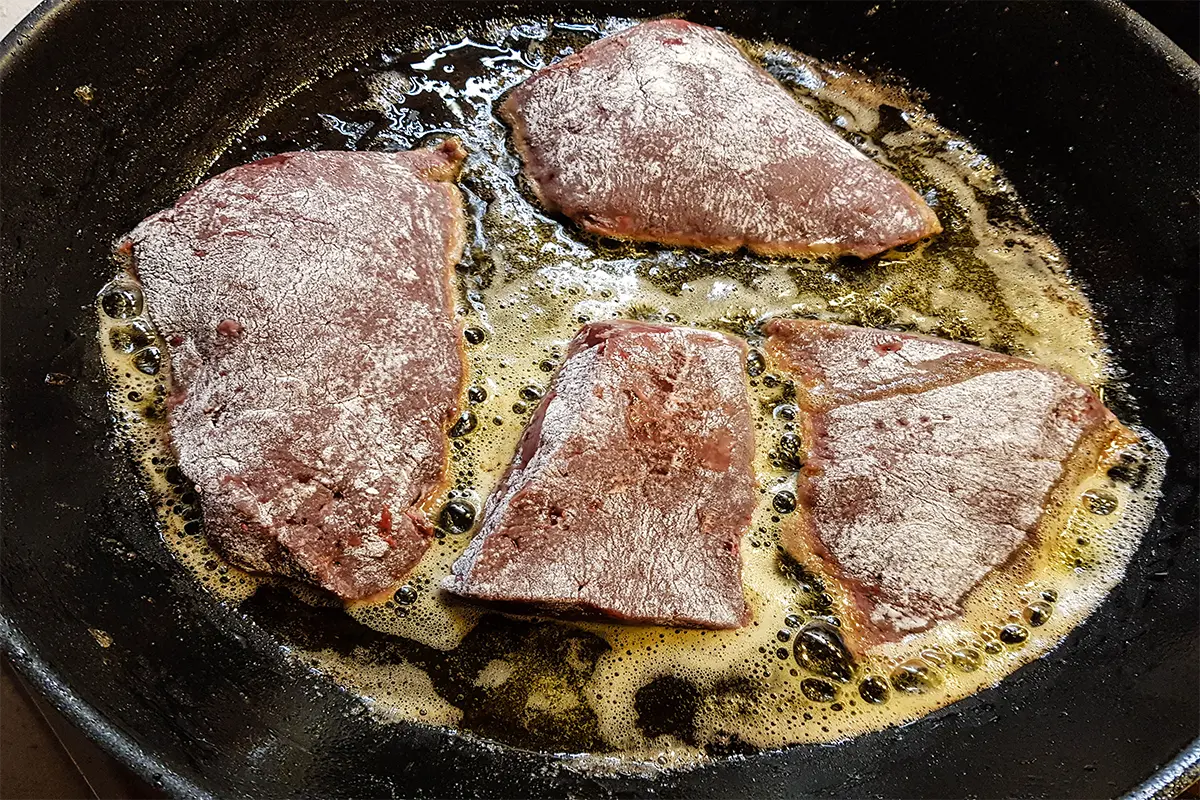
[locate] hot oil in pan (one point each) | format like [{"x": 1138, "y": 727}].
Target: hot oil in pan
[{"x": 649, "y": 694}]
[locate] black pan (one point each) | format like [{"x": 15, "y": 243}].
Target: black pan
[{"x": 1091, "y": 112}]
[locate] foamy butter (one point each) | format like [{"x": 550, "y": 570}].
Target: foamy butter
[{"x": 670, "y": 697}]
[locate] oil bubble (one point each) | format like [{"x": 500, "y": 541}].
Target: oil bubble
[
  {"x": 457, "y": 517},
  {"x": 406, "y": 595},
  {"x": 966, "y": 659},
  {"x": 148, "y": 360},
  {"x": 121, "y": 299},
  {"x": 1013, "y": 634},
  {"x": 1038, "y": 613},
  {"x": 784, "y": 502},
  {"x": 1098, "y": 502},
  {"x": 785, "y": 411},
  {"x": 790, "y": 452},
  {"x": 130, "y": 338},
  {"x": 474, "y": 335},
  {"x": 819, "y": 648},
  {"x": 935, "y": 657},
  {"x": 476, "y": 395},
  {"x": 915, "y": 677},
  {"x": 755, "y": 363},
  {"x": 874, "y": 690},
  {"x": 818, "y": 691},
  {"x": 465, "y": 424}
]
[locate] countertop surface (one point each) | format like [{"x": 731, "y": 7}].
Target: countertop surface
[{"x": 12, "y": 12}]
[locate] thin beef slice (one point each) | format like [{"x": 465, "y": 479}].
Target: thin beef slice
[
  {"x": 315, "y": 358},
  {"x": 930, "y": 463},
  {"x": 667, "y": 132},
  {"x": 631, "y": 489}
]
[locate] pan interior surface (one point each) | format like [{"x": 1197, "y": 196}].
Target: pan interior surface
[
  {"x": 178, "y": 670},
  {"x": 630, "y": 695}
]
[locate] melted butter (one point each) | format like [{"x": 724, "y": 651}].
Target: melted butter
[{"x": 527, "y": 281}]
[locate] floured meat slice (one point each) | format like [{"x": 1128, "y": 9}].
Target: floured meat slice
[
  {"x": 667, "y": 132},
  {"x": 315, "y": 357},
  {"x": 632, "y": 486},
  {"x": 930, "y": 462}
]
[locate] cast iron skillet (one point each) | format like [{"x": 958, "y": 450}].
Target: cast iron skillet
[{"x": 1090, "y": 111}]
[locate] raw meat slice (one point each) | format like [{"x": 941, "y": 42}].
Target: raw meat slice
[
  {"x": 315, "y": 358},
  {"x": 632, "y": 486},
  {"x": 667, "y": 132},
  {"x": 930, "y": 462}
]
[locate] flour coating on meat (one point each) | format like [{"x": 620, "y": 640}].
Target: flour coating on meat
[
  {"x": 667, "y": 132},
  {"x": 632, "y": 487},
  {"x": 930, "y": 462},
  {"x": 315, "y": 359}
]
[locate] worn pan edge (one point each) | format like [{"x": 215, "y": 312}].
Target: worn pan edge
[
  {"x": 112, "y": 739},
  {"x": 22, "y": 33},
  {"x": 1167, "y": 782},
  {"x": 13, "y": 643},
  {"x": 1184, "y": 770}
]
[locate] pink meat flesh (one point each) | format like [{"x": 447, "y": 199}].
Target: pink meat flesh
[
  {"x": 930, "y": 463},
  {"x": 631, "y": 489},
  {"x": 315, "y": 357},
  {"x": 667, "y": 132}
]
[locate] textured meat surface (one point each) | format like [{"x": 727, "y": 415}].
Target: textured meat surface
[
  {"x": 930, "y": 462},
  {"x": 315, "y": 358},
  {"x": 666, "y": 132},
  {"x": 632, "y": 487}
]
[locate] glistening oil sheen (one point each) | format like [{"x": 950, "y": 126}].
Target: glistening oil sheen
[{"x": 527, "y": 281}]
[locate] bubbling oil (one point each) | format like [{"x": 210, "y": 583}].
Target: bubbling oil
[{"x": 646, "y": 694}]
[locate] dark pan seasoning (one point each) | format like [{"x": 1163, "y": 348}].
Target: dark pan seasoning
[{"x": 527, "y": 282}]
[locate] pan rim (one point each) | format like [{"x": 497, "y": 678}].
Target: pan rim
[
  {"x": 1164, "y": 782},
  {"x": 20, "y": 36},
  {"x": 116, "y": 742}
]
